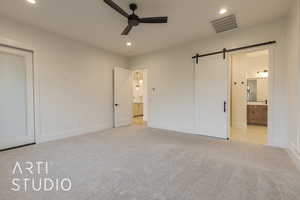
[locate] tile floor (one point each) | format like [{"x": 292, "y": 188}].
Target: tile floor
[
  {"x": 138, "y": 121},
  {"x": 251, "y": 134}
]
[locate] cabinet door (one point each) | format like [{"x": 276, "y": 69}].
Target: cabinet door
[{"x": 257, "y": 114}]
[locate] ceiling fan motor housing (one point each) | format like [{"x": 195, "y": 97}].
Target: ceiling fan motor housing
[{"x": 133, "y": 20}]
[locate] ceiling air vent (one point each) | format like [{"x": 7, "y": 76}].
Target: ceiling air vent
[{"x": 225, "y": 23}]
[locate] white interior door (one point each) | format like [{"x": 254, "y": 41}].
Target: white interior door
[
  {"x": 16, "y": 98},
  {"x": 211, "y": 76},
  {"x": 123, "y": 97}
]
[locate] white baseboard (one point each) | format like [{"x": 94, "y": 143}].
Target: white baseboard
[
  {"x": 71, "y": 133},
  {"x": 294, "y": 154},
  {"x": 171, "y": 129},
  {"x": 123, "y": 122},
  {"x": 184, "y": 131}
]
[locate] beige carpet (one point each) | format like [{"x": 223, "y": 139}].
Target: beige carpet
[{"x": 136, "y": 163}]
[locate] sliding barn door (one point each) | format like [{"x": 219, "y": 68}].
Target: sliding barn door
[
  {"x": 123, "y": 97},
  {"x": 16, "y": 98},
  {"x": 211, "y": 74}
]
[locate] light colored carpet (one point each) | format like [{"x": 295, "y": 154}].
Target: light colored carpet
[{"x": 136, "y": 163}]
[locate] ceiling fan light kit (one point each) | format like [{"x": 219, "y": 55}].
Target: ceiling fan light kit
[{"x": 133, "y": 19}]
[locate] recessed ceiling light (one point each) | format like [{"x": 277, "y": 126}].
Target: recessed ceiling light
[
  {"x": 128, "y": 44},
  {"x": 223, "y": 11},
  {"x": 31, "y": 1}
]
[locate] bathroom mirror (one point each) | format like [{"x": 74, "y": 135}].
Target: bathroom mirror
[{"x": 257, "y": 90}]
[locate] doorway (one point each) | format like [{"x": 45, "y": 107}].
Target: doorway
[
  {"x": 17, "y": 98},
  {"x": 250, "y": 96},
  {"x": 130, "y": 97},
  {"x": 139, "y": 103}
]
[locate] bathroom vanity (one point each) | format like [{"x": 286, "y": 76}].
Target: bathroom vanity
[
  {"x": 138, "y": 109},
  {"x": 257, "y": 103},
  {"x": 257, "y": 114}
]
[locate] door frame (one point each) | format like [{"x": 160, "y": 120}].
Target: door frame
[
  {"x": 31, "y": 91},
  {"x": 146, "y": 91},
  {"x": 271, "y": 49}
]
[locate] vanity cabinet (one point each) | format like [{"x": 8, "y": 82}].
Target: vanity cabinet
[
  {"x": 138, "y": 109},
  {"x": 257, "y": 115}
]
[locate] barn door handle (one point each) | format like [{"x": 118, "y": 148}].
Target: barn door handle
[{"x": 225, "y": 106}]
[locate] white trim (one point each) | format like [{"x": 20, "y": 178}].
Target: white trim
[
  {"x": 272, "y": 63},
  {"x": 71, "y": 133},
  {"x": 14, "y": 43},
  {"x": 196, "y": 107},
  {"x": 294, "y": 154},
  {"x": 183, "y": 131},
  {"x": 229, "y": 89},
  {"x": 122, "y": 122},
  {"x": 145, "y": 89},
  {"x": 37, "y": 114},
  {"x": 271, "y": 118},
  {"x": 146, "y": 96},
  {"x": 37, "y": 107},
  {"x": 30, "y": 94},
  {"x": 147, "y": 92}
]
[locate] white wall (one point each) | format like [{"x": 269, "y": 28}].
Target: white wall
[
  {"x": 293, "y": 67},
  {"x": 171, "y": 72},
  {"x": 73, "y": 80}
]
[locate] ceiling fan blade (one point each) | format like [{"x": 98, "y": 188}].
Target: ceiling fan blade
[
  {"x": 127, "y": 30},
  {"x": 116, "y": 7},
  {"x": 154, "y": 20}
]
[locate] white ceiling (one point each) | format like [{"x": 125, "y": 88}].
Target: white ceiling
[{"x": 93, "y": 22}]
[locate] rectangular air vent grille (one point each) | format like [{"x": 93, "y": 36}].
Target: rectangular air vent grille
[{"x": 225, "y": 24}]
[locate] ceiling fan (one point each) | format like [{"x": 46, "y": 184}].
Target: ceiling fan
[{"x": 134, "y": 20}]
